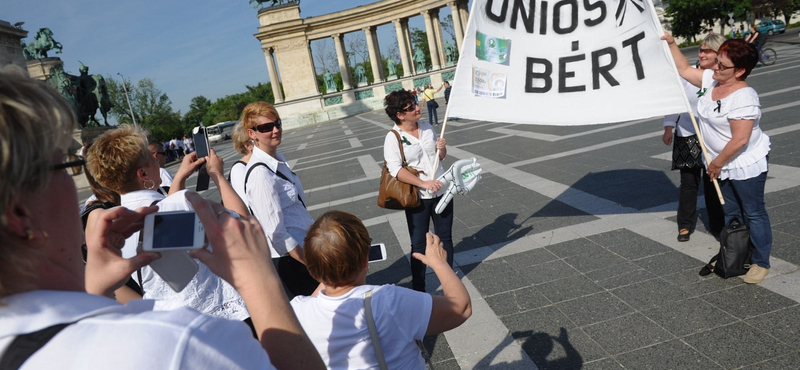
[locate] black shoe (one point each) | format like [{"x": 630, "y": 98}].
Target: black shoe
[{"x": 683, "y": 237}]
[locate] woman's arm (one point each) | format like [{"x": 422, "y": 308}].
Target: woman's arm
[
  {"x": 740, "y": 136},
  {"x": 692, "y": 75},
  {"x": 189, "y": 165},
  {"x": 455, "y": 307},
  {"x": 214, "y": 167}
]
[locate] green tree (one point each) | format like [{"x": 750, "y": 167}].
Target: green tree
[
  {"x": 197, "y": 109},
  {"x": 150, "y": 106},
  {"x": 419, "y": 39}
]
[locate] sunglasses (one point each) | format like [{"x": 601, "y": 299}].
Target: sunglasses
[
  {"x": 707, "y": 51},
  {"x": 268, "y": 127},
  {"x": 410, "y": 108},
  {"x": 72, "y": 163},
  {"x": 721, "y": 66}
]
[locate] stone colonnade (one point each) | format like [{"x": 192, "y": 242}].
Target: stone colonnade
[{"x": 285, "y": 39}]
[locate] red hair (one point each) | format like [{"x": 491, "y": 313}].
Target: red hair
[{"x": 743, "y": 55}]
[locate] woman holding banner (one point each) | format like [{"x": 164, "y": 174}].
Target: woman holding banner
[
  {"x": 420, "y": 145},
  {"x": 729, "y": 112},
  {"x": 687, "y": 155}
]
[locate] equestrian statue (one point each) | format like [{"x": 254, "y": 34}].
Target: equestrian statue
[{"x": 42, "y": 43}]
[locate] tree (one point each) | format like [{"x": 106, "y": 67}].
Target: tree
[
  {"x": 197, "y": 109},
  {"x": 447, "y": 27},
  {"x": 324, "y": 56},
  {"x": 358, "y": 46},
  {"x": 151, "y": 107},
  {"x": 690, "y": 17}
]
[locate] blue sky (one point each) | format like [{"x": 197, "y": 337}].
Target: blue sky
[{"x": 204, "y": 47}]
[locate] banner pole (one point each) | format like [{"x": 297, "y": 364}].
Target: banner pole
[{"x": 668, "y": 52}]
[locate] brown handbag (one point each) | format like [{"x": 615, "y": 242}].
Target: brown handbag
[{"x": 393, "y": 193}]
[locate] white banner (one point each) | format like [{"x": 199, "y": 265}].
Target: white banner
[{"x": 566, "y": 62}]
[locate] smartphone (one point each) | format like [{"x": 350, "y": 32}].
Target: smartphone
[
  {"x": 172, "y": 231},
  {"x": 377, "y": 252},
  {"x": 200, "y": 140}
]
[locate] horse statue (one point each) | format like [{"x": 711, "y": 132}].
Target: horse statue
[
  {"x": 85, "y": 94},
  {"x": 258, "y": 4},
  {"x": 103, "y": 98},
  {"x": 42, "y": 43}
]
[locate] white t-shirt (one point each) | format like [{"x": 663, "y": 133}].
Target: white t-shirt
[
  {"x": 112, "y": 336},
  {"x": 420, "y": 154},
  {"x": 166, "y": 177},
  {"x": 207, "y": 292},
  {"x": 714, "y": 115},
  {"x": 338, "y": 328}
]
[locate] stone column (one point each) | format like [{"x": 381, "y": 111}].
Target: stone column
[
  {"x": 457, "y": 25},
  {"x": 437, "y": 28},
  {"x": 431, "y": 41},
  {"x": 374, "y": 54},
  {"x": 402, "y": 46},
  {"x": 409, "y": 52},
  {"x": 464, "y": 12},
  {"x": 273, "y": 75},
  {"x": 341, "y": 55}
]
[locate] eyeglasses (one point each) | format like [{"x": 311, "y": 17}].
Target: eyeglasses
[
  {"x": 268, "y": 127},
  {"x": 721, "y": 66},
  {"x": 72, "y": 163},
  {"x": 707, "y": 51},
  {"x": 410, "y": 108}
]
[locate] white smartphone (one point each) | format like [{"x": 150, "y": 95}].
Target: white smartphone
[
  {"x": 172, "y": 231},
  {"x": 377, "y": 252},
  {"x": 200, "y": 140}
]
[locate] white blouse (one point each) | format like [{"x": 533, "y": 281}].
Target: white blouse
[
  {"x": 715, "y": 116},
  {"x": 420, "y": 154}
]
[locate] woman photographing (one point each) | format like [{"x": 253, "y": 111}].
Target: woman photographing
[{"x": 729, "y": 112}]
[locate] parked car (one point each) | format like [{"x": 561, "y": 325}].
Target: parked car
[{"x": 770, "y": 27}]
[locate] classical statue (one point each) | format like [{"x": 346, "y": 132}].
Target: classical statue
[
  {"x": 42, "y": 43},
  {"x": 419, "y": 60},
  {"x": 85, "y": 93},
  {"x": 258, "y": 4},
  {"x": 391, "y": 66},
  {"x": 361, "y": 75},
  {"x": 330, "y": 83},
  {"x": 450, "y": 53}
]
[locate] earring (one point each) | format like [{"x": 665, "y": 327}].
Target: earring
[{"x": 151, "y": 186}]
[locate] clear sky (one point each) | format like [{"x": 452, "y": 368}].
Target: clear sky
[{"x": 203, "y": 47}]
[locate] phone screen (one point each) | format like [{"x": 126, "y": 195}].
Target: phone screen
[
  {"x": 173, "y": 230},
  {"x": 200, "y": 142},
  {"x": 377, "y": 252}
]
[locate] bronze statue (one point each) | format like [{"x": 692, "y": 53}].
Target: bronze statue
[
  {"x": 419, "y": 59},
  {"x": 450, "y": 53},
  {"x": 85, "y": 93},
  {"x": 330, "y": 83},
  {"x": 42, "y": 43},
  {"x": 258, "y": 4},
  {"x": 391, "y": 66},
  {"x": 361, "y": 75}
]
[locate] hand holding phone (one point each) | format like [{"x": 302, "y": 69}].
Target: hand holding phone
[
  {"x": 200, "y": 140},
  {"x": 172, "y": 231}
]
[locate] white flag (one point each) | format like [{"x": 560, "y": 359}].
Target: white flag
[{"x": 565, "y": 62}]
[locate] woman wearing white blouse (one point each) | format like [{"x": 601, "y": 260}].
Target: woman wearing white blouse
[{"x": 730, "y": 114}]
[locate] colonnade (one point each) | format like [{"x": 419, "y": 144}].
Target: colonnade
[{"x": 284, "y": 52}]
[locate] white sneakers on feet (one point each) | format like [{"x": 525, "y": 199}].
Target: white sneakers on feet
[{"x": 756, "y": 274}]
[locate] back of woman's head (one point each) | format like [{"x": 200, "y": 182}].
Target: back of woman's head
[
  {"x": 241, "y": 141},
  {"x": 35, "y": 121},
  {"x": 742, "y": 54},
  {"x": 336, "y": 248},
  {"x": 394, "y": 103},
  {"x": 257, "y": 109},
  {"x": 713, "y": 42},
  {"x": 116, "y": 155}
]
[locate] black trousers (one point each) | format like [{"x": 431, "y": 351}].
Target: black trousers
[
  {"x": 294, "y": 276},
  {"x": 687, "y": 201}
]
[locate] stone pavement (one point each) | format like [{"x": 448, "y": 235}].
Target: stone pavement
[{"x": 568, "y": 243}]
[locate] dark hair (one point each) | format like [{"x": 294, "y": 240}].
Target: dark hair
[
  {"x": 395, "y": 102},
  {"x": 742, "y": 54},
  {"x": 336, "y": 248}
]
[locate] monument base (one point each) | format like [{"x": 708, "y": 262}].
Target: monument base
[{"x": 40, "y": 68}]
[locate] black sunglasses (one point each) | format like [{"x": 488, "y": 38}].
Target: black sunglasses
[
  {"x": 72, "y": 163},
  {"x": 268, "y": 127},
  {"x": 410, "y": 108}
]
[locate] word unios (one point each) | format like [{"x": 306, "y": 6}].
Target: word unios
[{"x": 561, "y": 24}]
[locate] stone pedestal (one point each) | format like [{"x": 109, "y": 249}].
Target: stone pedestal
[
  {"x": 40, "y": 68},
  {"x": 10, "y": 49}
]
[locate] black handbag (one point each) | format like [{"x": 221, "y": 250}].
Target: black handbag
[
  {"x": 435, "y": 104},
  {"x": 735, "y": 250}
]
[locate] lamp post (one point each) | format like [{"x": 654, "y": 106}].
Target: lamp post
[{"x": 125, "y": 89}]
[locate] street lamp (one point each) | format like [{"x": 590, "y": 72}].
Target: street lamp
[{"x": 125, "y": 89}]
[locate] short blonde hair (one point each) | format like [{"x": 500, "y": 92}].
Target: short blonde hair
[
  {"x": 336, "y": 248},
  {"x": 241, "y": 141},
  {"x": 257, "y": 109},
  {"x": 34, "y": 121},
  {"x": 117, "y": 155},
  {"x": 713, "y": 42}
]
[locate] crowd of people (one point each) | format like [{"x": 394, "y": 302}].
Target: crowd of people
[{"x": 63, "y": 283}]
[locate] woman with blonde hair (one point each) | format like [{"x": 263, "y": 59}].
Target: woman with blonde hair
[
  {"x": 120, "y": 161},
  {"x": 275, "y": 196},
  {"x": 244, "y": 145}
]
